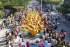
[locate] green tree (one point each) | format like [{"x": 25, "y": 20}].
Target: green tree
[
  {"x": 65, "y": 8},
  {"x": 13, "y": 2},
  {"x": 53, "y": 1}
]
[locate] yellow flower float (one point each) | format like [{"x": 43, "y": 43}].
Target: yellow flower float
[{"x": 33, "y": 22}]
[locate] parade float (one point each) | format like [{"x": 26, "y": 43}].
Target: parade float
[{"x": 33, "y": 23}]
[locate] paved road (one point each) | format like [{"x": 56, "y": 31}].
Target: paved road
[{"x": 65, "y": 25}]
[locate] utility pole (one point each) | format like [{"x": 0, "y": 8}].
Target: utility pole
[{"x": 41, "y": 6}]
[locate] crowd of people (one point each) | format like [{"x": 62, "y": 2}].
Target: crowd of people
[{"x": 16, "y": 38}]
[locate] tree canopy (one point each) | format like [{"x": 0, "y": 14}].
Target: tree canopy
[
  {"x": 13, "y": 2},
  {"x": 53, "y": 1},
  {"x": 65, "y": 8}
]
